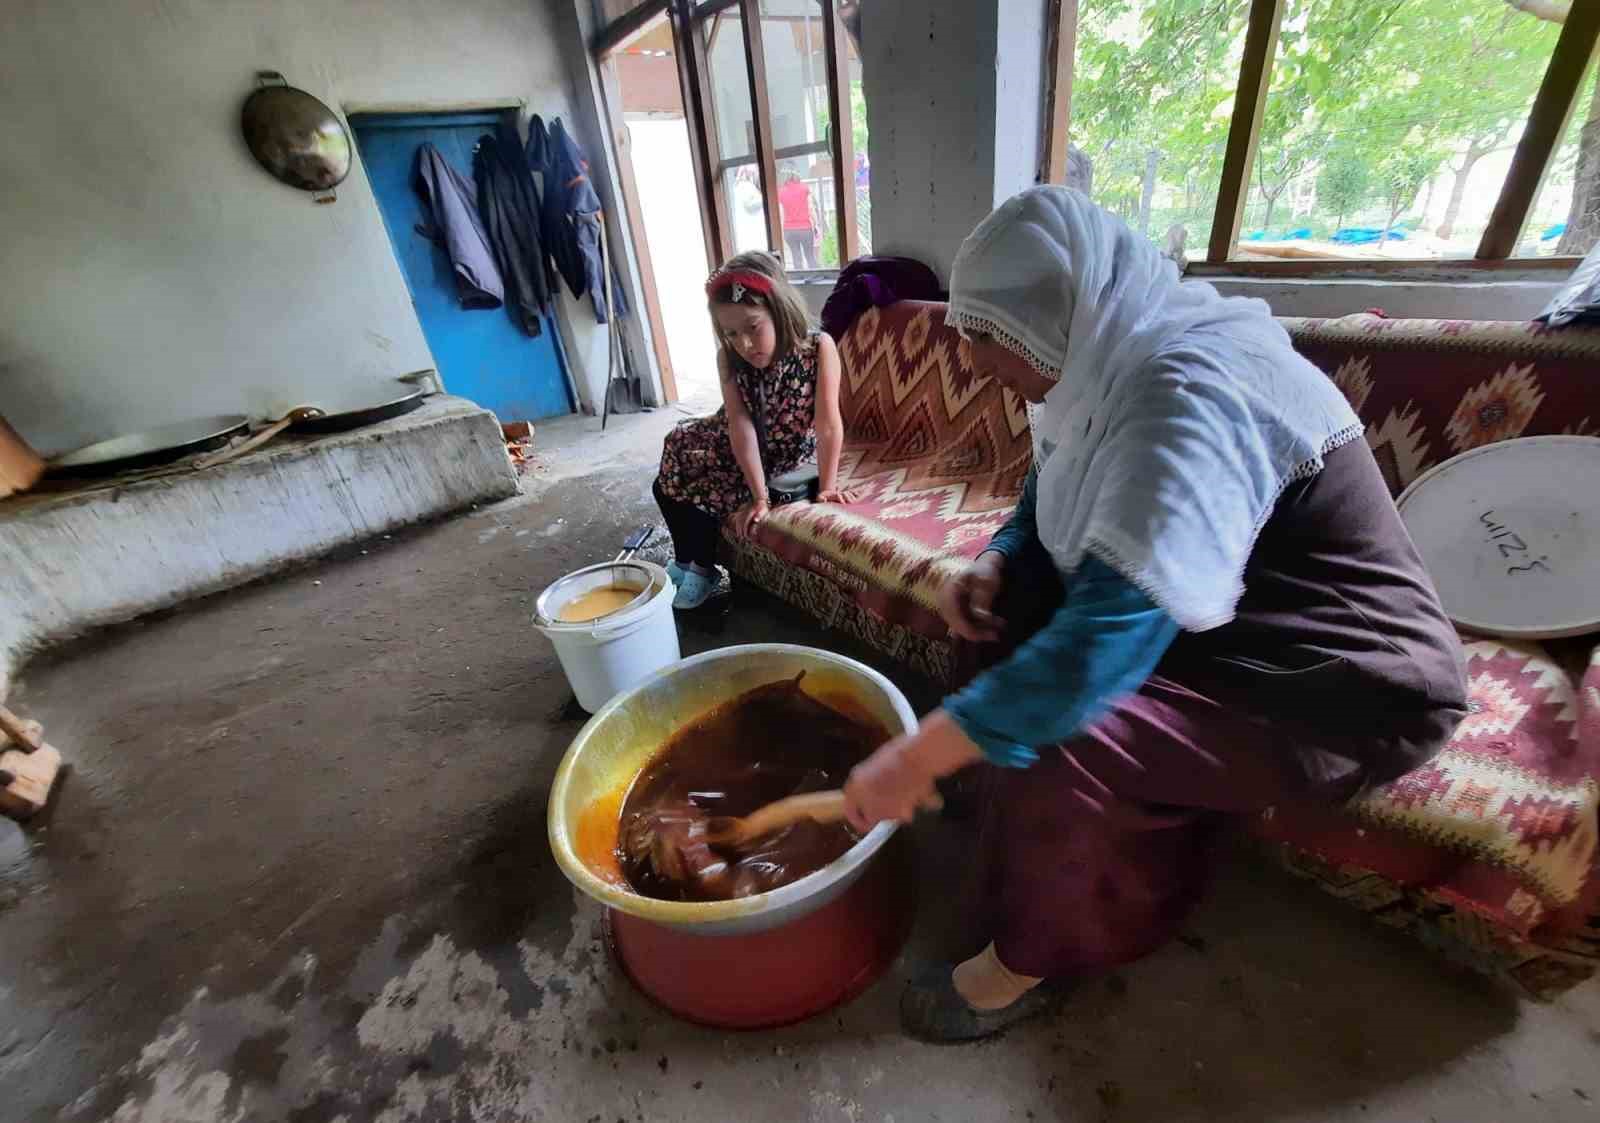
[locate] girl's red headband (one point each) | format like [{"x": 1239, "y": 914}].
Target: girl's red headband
[{"x": 739, "y": 280}]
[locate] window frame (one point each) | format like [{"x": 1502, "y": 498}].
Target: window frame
[
  {"x": 1541, "y": 138},
  {"x": 693, "y": 26}
]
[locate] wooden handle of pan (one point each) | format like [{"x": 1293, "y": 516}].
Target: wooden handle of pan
[
  {"x": 26, "y": 735},
  {"x": 222, "y": 456}
]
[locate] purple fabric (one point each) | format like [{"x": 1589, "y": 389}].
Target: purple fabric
[
  {"x": 1097, "y": 853},
  {"x": 871, "y": 282},
  {"x": 1338, "y": 669}
]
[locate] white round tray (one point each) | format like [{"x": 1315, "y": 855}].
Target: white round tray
[{"x": 1511, "y": 536}]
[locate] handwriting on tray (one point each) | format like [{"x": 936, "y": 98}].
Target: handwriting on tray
[{"x": 1512, "y": 547}]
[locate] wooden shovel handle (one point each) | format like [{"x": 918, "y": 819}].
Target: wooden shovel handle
[{"x": 24, "y": 734}]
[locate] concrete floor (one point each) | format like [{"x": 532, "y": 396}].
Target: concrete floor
[{"x": 299, "y": 872}]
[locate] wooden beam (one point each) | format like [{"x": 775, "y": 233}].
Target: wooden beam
[
  {"x": 641, "y": 242},
  {"x": 1249, "y": 102},
  {"x": 1547, "y": 121},
  {"x": 703, "y": 39},
  {"x": 810, "y": 148},
  {"x": 1063, "y": 32},
  {"x": 620, "y": 32},
  {"x": 694, "y": 88},
  {"x": 843, "y": 140},
  {"x": 755, "y": 62}
]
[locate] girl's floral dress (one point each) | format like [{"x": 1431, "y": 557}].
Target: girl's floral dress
[{"x": 697, "y": 463}]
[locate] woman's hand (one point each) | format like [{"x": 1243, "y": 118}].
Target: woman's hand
[
  {"x": 891, "y": 784},
  {"x": 967, "y": 603},
  {"x": 838, "y": 495},
  {"x": 749, "y": 517},
  {"x": 897, "y": 780}
]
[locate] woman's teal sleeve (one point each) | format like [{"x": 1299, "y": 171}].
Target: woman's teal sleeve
[
  {"x": 1021, "y": 529},
  {"x": 1101, "y": 645}
]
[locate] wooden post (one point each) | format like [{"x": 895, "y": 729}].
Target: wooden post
[
  {"x": 1063, "y": 31},
  {"x": 694, "y": 88},
  {"x": 1547, "y": 121},
  {"x": 836, "y": 52},
  {"x": 755, "y": 61},
  {"x": 1249, "y": 102}
]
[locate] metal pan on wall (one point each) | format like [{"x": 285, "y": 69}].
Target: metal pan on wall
[
  {"x": 337, "y": 421},
  {"x": 317, "y": 420},
  {"x": 155, "y": 446}
]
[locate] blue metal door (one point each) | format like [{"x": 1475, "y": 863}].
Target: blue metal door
[{"x": 481, "y": 354}]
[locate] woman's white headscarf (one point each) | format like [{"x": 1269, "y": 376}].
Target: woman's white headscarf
[{"x": 1178, "y": 417}]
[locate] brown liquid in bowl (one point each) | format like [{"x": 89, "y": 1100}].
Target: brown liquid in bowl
[{"x": 768, "y": 743}]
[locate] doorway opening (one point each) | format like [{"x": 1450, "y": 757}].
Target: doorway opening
[{"x": 655, "y": 136}]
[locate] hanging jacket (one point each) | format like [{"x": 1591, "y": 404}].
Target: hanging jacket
[
  {"x": 509, "y": 207},
  {"x": 571, "y": 215},
  {"x": 450, "y": 202}
]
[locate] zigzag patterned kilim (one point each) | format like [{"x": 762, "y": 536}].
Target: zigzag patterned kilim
[{"x": 938, "y": 453}]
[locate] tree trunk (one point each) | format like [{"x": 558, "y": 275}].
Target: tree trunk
[
  {"x": 1458, "y": 192},
  {"x": 1388, "y": 227},
  {"x": 1583, "y": 217},
  {"x": 1151, "y": 159},
  {"x": 1272, "y": 203}
]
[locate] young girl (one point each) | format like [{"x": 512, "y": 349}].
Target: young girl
[{"x": 780, "y": 395}]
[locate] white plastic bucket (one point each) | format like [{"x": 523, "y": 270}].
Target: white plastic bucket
[{"x": 606, "y": 656}]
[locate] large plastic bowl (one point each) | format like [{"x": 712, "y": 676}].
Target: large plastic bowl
[{"x": 612, "y": 748}]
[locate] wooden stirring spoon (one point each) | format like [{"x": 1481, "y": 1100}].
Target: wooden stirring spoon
[{"x": 821, "y": 807}]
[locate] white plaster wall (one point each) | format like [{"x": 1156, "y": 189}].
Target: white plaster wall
[
  {"x": 590, "y": 123},
  {"x": 928, "y": 70},
  {"x": 154, "y": 271},
  {"x": 1019, "y": 72},
  {"x": 1509, "y": 300}
]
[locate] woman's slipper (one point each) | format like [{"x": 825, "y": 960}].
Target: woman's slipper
[
  {"x": 931, "y": 1009},
  {"x": 694, "y": 590},
  {"x": 677, "y": 573}
]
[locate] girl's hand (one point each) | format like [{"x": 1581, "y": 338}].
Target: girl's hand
[
  {"x": 838, "y": 495},
  {"x": 967, "y": 603},
  {"x": 749, "y": 517}
]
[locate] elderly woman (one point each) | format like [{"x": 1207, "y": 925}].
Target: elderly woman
[{"x": 1227, "y": 614}]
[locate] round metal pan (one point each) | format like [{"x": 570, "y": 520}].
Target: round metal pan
[
  {"x": 144, "y": 450},
  {"x": 339, "y": 421}
]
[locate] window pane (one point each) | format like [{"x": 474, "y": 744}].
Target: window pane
[
  {"x": 792, "y": 40},
  {"x": 730, "y": 84},
  {"x": 1389, "y": 128},
  {"x": 1153, "y": 85},
  {"x": 863, "y": 161},
  {"x": 1566, "y": 215},
  {"x": 805, "y": 199},
  {"x": 747, "y": 215}
]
